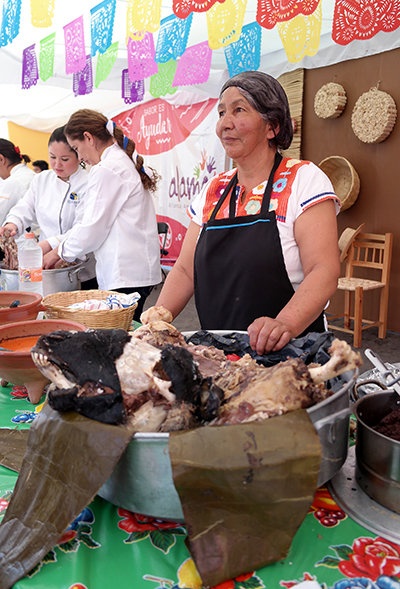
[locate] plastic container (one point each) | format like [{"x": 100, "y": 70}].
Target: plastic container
[
  {"x": 3, "y": 283},
  {"x": 30, "y": 262}
]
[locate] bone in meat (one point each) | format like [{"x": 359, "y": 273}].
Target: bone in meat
[
  {"x": 342, "y": 359},
  {"x": 253, "y": 392},
  {"x": 159, "y": 333},
  {"x": 156, "y": 314}
]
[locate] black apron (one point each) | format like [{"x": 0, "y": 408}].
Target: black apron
[{"x": 239, "y": 270}]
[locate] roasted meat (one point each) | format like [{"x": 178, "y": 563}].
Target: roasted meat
[
  {"x": 10, "y": 249},
  {"x": 253, "y": 392},
  {"x": 81, "y": 365},
  {"x": 117, "y": 377}
]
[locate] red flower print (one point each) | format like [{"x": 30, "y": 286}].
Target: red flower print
[
  {"x": 289, "y": 584},
  {"x": 372, "y": 558},
  {"x": 19, "y": 392},
  {"x": 225, "y": 585},
  {"x": 67, "y": 536},
  {"x": 325, "y": 510},
  {"x": 134, "y": 522},
  {"x": 231, "y": 583}
]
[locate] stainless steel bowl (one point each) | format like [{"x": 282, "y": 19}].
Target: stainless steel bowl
[
  {"x": 54, "y": 280},
  {"x": 377, "y": 456}
]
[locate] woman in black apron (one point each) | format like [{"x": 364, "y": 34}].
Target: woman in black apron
[{"x": 235, "y": 264}]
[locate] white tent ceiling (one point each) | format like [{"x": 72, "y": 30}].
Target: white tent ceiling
[{"x": 49, "y": 104}]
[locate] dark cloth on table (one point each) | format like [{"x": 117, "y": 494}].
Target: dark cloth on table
[{"x": 311, "y": 348}]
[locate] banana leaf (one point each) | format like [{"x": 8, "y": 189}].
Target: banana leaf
[
  {"x": 68, "y": 459},
  {"x": 12, "y": 447},
  {"x": 245, "y": 490}
]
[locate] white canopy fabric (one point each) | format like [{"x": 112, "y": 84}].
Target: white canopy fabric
[{"x": 49, "y": 104}]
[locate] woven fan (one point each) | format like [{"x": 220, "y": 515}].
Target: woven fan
[
  {"x": 330, "y": 101},
  {"x": 292, "y": 83},
  {"x": 374, "y": 116}
]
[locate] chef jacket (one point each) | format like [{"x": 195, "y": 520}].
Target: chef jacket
[
  {"x": 14, "y": 187},
  {"x": 119, "y": 225},
  {"x": 56, "y": 206}
]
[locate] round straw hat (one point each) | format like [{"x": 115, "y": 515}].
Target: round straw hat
[
  {"x": 347, "y": 238},
  {"x": 344, "y": 178}
]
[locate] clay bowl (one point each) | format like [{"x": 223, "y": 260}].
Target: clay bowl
[
  {"x": 18, "y": 368},
  {"x": 28, "y": 309}
]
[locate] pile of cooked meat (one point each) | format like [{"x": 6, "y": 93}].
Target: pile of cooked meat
[
  {"x": 389, "y": 426},
  {"x": 153, "y": 380},
  {"x": 10, "y": 249}
]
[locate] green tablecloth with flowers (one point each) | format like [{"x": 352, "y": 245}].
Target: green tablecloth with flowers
[{"x": 107, "y": 547}]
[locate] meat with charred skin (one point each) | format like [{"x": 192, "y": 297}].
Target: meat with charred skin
[
  {"x": 82, "y": 366},
  {"x": 165, "y": 387},
  {"x": 253, "y": 392}
]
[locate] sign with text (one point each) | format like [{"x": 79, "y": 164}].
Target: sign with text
[{"x": 181, "y": 144}]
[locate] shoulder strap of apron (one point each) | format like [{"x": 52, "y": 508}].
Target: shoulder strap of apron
[
  {"x": 268, "y": 188},
  {"x": 231, "y": 188}
]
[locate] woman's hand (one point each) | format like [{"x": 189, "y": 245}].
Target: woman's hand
[
  {"x": 50, "y": 259},
  {"x": 316, "y": 236},
  {"x": 46, "y": 247},
  {"x": 269, "y": 335},
  {"x": 11, "y": 227}
]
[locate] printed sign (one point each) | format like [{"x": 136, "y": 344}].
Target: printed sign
[{"x": 181, "y": 144}]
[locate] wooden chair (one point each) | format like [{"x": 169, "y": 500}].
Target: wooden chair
[{"x": 368, "y": 251}]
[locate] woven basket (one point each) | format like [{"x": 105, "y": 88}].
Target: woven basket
[
  {"x": 57, "y": 308},
  {"x": 344, "y": 178},
  {"x": 373, "y": 116},
  {"x": 330, "y": 101}
]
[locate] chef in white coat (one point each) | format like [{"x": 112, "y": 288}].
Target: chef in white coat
[
  {"x": 119, "y": 223},
  {"x": 55, "y": 201},
  {"x": 15, "y": 174}
]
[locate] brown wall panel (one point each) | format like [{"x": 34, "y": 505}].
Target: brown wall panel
[{"x": 378, "y": 165}]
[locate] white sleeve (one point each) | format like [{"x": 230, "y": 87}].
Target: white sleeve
[
  {"x": 311, "y": 187},
  {"x": 23, "y": 213},
  {"x": 105, "y": 196}
]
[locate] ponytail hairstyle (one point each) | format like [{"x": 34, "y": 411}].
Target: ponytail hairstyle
[
  {"x": 12, "y": 153},
  {"x": 103, "y": 129}
]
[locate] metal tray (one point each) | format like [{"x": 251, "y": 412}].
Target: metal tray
[{"x": 142, "y": 480}]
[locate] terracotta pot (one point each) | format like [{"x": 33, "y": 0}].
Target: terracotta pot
[
  {"x": 18, "y": 368},
  {"x": 28, "y": 309}
]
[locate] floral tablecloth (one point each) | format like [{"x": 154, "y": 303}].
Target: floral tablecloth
[{"x": 110, "y": 548}]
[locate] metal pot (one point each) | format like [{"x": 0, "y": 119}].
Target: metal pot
[
  {"x": 142, "y": 479},
  {"x": 377, "y": 456},
  {"x": 56, "y": 280}
]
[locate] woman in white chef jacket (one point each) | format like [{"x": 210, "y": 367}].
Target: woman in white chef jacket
[
  {"x": 54, "y": 201},
  {"x": 16, "y": 175},
  {"x": 119, "y": 223}
]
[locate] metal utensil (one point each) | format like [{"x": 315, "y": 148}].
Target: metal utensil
[{"x": 389, "y": 380}]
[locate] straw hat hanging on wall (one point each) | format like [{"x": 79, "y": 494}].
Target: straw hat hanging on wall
[
  {"x": 374, "y": 116},
  {"x": 344, "y": 178},
  {"x": 330, "y": 101},
  {"x": 347, "y": 238}
]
